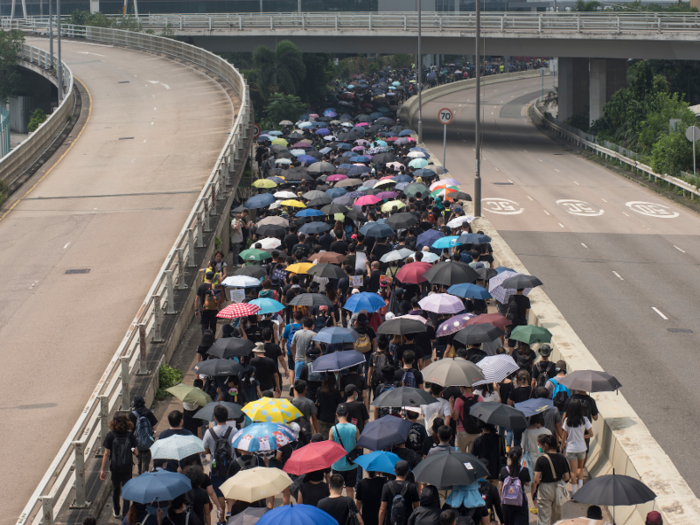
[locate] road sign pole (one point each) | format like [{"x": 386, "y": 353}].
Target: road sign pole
[
  {"x": 444, "y": 147},
  {"x": 693, "y": 151},
  {"x": 477, "y": 120}
]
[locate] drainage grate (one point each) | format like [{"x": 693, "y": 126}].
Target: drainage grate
[
  {"x": 503, "y": 183},
  {"x": 123, "y": 82},
  {"x": 680, "y": 330},
  {"x": 78, "y": 270},
  {"x": 557, "y": 153},
  {"x": 126, "y": 138}
]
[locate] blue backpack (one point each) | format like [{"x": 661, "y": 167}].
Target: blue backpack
[
  {"x": 143, "y": 432},
  {"x": 292, "y": 331},
  {"x": 399, "y": 507},
  {"x": 559, "y": 395},
  {"x": 409, "y": 379}
]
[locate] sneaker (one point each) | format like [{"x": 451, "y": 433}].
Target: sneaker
[
  {"x": 580, "y": 483},
  {"x": 533, "y": 510},
  {"x": 574, "y": 489},
  {"x": 115, "y": 514}
]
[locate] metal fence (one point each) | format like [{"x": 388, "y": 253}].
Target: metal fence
[
  {"x": 65, "y": 477},
  {"x": 4, "y": 132}
]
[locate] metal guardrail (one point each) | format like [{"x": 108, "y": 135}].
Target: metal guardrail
[
  {"x": 66, "y": 474},
  {"x": 4, "y": 132},
  {"x": 17, "y": 161},
  {"x": 610, "y": 154},
  {"x": 630, "y": 24}
]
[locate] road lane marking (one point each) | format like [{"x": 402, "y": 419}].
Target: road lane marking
[
  {"x": 618, "y": 275},
  {"x": 66, "y": 246},
  {"x": 496, "y": 169},
  {"x": 603, "y": 199},
  {"x": 577, "y": 184},
  {"x": 677, "y": 248},
  {"x": 511, "y": 181},
  {"x": 586, "y": 247},
  {"x": 530, "y": 197},
  {"x": 623, "y": 213},
  {"x": 659, "y": 312},
  {"x": 546, "y": 212},
  {"x": 560, "y": 224},
  {"x": 555, "y": 169}
]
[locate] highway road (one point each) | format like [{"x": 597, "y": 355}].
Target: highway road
[
  {"x": 618, "y": 260},
  {"x": 113, "y": 205}
]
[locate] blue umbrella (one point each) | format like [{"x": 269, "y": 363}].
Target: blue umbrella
[
  {"x": 376, "y": 115},
  {"x": 267, "y": 305},
  {"x": 325, "y": 151},
  {"x": 309, "y": 212},
  {"x": 375, "y": 229},
  {"x": 378, "y": 461},
  {"x": 446, "y": 242},
  {"x": 427, "y": 238},
  {"x": 349, "y": 155},
  {"x": 334, "y": 335},
  {"x": 355, "y": 194},
  {"x": 278, "y": 180},
  {"x": 358, "y": 170},
  {"x": 500, "y": 269},
  {"x": 364, "y": 301},
  {"x": 406, "y": 133},
  {"x": 469, "y": 291},
  {"x": 424, "y": 172},
  {"x": 323, "y": 131},
  {"x": 474, "y": 238},
  {"x": 360, "y": 158},
  {"x": 297, "y": 515},
  {"x": 403, "y": 178},
  {"x": 156, "y": 486},
  {"x": 334, "y": 193},
  {"x": 532, "y": 407},
  {"x": 259, "y": 201},
  {"x": 384, "y": 432},
  {"x": 338, "y": 361},
  {"x": 345, "y": 146},
  {"x": 314, "y": 227},
  {"x": 307, "y": 159},
  {"x": 260, "y": 437},
  {"x": 345, "y": 166}
]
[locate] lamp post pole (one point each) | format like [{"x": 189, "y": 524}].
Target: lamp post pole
[
  {"x": 51, "y": 33},
  {"x": 59, "y": 69},
  {"x": 420, "y": 81},
  {"x": 477, "y": 120}
]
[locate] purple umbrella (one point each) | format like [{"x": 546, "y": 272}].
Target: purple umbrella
[
  {"x": 428, "y": 238},
  {"x": 345, "y": 200},
  {"x": 323, "y": 131},
  {"x": 370, "y": 183},
  {"x": 401, "y": 141},
  {"x": 442, "y": 303},
  {"x": 453, "y": 324},
  {"x": 355, "y": 194},
  {"x": 386, "y": 195},
  {"x": 301, "y": 145}
]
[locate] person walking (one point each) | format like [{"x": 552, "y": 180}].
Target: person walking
[
  {"x": 577, "y": 428},
  {"x": 347, "y": 435},
  {"x": 118, "y": 445},
  {"x": 512, "y": 481},
  {"x": 550, "y": 469},
  {"x": 144, "y": 422},
  {"x": 336, "y": 504}
]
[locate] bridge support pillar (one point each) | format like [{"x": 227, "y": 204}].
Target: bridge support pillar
[
  {"x": 573, "y": 87},
  {"x": 607, "y": 76}
]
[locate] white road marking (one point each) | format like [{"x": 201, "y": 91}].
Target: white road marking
[
  {"x": 560, "y": 224},
  {"x": 530, "y": 197},
  {"x": 555, "y": 169},
  {"x": 66, "y": 246},
  {"x": 33, "y": 285},
  {"x": 603, "y": 199},
  {"x": 546, "y": 212},
  {"x": 154, "y": 109},
  {"x": 166, "y": 86},
  {"x": 540, "y": 160},
  {"x": 623, "y": 213},
  {"x": 618, "y": 276},
  {"x": 677, "y": 248},
  {"x": 152, "y": 124},
  {"x": 511, "y": 181},
  {"x": 586, "y": 247},
  {"x": 88, "y": 53},
  {"x": 659, "y": 312},
  {"x": 496, "y": 169},
  {"x": 577, "y": 184},
  {"x": 144, "y": 140}
]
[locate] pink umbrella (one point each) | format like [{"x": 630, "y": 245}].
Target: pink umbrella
[
  {"x": 454, "y": 324},
  {"x": 396, "y": 166},
  {"x": 362, "y": 142},
  {"x": 367, "y": 200},
  {"x": 411, "y": 139},
  {"x": 388, "y": 177},
  {"x": 442, "y": 303},
  {"x": 314, "y": 115},
  {"x": 359, "y": 124},
  {"x": 235, "y": 310},
  {"x": 392, "y": 139},
  {"x": 413, "y": 318},
  {"x": 387, "y": 195},
  {"x": 450, "y": 182},
  {"x": 358, "y": 148},
  {"x": 301, "y": 145},
  {"x": 336, "y": 178}
]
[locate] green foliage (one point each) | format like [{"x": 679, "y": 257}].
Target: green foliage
[
  {"x": 3, "y": 191},
  {"x": 168, "y": 31},
  {"x": 401, "y": 60},
  {"x": 662, "y": 108},
  {"x": 319, "y": 73},
  {"x": 582, "y": 5},
  {"x": 167, "y": 377},
  {"x": 672, "y": 153},
  {"x": 256, "y": 94},
  {"x": 85, "y": 18},
  {"x": 283, "y": 107},
  {"x": 10, "y": 46},
  {"x": 637, "y": 5},
  {"x": 578, "y": 121},
  {"x": 281, "y": 70},
  {"x": 37, "y": 118}
]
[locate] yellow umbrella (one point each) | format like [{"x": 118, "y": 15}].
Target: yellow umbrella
[
  {"x": 293, "y": 203},
  {"x": 264, "y": 183},
  {"x": 387, "y": 206},
  {"x": 189, "y": 394},
  {"x": 299, "y": 267},
  {"x": 279, "y": 141},
  {"x": 271, "y": 410},
  {"x": 255, "y": 484}
]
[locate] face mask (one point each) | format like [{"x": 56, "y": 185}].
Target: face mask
[{"x": 540, "y": 449}]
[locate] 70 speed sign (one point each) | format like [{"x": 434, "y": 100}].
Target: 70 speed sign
[{"x": 445, "y": 116}]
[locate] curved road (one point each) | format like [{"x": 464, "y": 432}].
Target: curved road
[
  {"x": 618, "y": 260},
  {"x": 114, "y": 204}
]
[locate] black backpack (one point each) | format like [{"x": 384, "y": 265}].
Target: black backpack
[
  {"x": 121, "y": 454},
  {"x": 469, "y": 422},
  {"x": 379, "y": 362},
  {"x": 466, "y": 519},
  {"x": 399, "y": 507},
  {"x": 543, "y": 374},
  {"x": 222, "y": 453}
]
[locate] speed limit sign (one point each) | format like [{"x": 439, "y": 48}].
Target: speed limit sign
[
  {"x": 256, "y": 131},
  {"x": 445, "y": 116}
]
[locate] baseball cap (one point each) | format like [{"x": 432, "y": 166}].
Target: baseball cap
[
  {"x": 209, "y": 275},
  {"x": 654, "y": 518},
  {"x": 341, "y": 411}
]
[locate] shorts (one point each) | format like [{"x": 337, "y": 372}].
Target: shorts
[
  {"x": 350, "y": 477},
  {"x": 573, "y": 456},
  {"x": 298, "y": 366},
  {"x": 216, "y": 482},
  {"x": 290, "y": 362}
]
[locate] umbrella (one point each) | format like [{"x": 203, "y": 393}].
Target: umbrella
[
  {"x": 311, "y": 299},
  {"x": 428, "y": 238},
  {"x": 320, "y": 201},
  {"x": 449, "y": 273},
  {"x": 520, "y": 281},
  {"x": 299, "y": 268},
  {"x": 404, "y": 396},
  {"x": 271, "y": 230},
  {"x": 252, "y": 254},
  {"x": 398, "y": 326},
  {"x": 314, "y": 456},
  {"x": 614, "y": 490},
  {"x": 590, "y": 381},
  {"x": 500, "y": 293},
  {"x": 390, "y": 205},
  {"x": 236, "y": 310},
  {"x": 322, "y": 167},
  {"x": 477, "y": 334},
  {"x": 311, "y": 212},
  {"x": 367, "y": 200},
  {"x": 293, "y": 203},
  {"x": 386, "y": 195},
  {"x": 270, "y": 410},
  {"x": 176, "y": 447},
  {"x": 532, "y": 407},
  {"x": 417, "y": 163},
  {"x": 277, "y": 221},
  {"x": 329, "y": 257},
  {"x": 469, "y": 291},
  {"x": 413, "y": 189},
  {"x": 494, "y": 319},
  {"x": 297, "y": 515},
  {"x": 453, "y": 325},
  {"x": 486, "y": 273},
  {"x": 446, "y": 242},
  {"x": 267, "y": 305},
  {"x": 376, "y": 229},
  {"x": 264, "y": 183},
  {"x": 496, "y": 368},
  {"x": 314, "y": 227},
  {"x": 449, "y": 468},
  {"x": 459, "y": 221},
  {"x": 331, "y": 271},
  {"x": 384, "y": 433},
  {"x": 499, "y": 414},
  {"x": 189, "y": 394},
  {"x": 335, "y": 335},
  {"x": 413, "y": 273},
  {"x": 255, "y": 484},
  {"x": 378, "y": 461},
  {"x": 402, "y": 220},
  {"x": 261, "y": 437},
  {"x": 347, "y": 183},
  {"x": 249, "y": 516},
  {"x": 337, "y": 361},
  {"x": 396, "y": 255},
  {"x": 156, "y": 486},
  {"x": 207, "y": 412},
  {"x": 369, "y": 301},
  {"x": 474, "y": 238},
  {"x": 442, "y": 303},
  {"x": 218, "y": 368},
  {"x": 332, "y": 209},
  {"x": 336, "y": 178},
  {"x": 228, "y": 347},
  {"x": 531, "y": 334},
  {"x": 452, "y": 372},
  {"x": 259, "y": 201}
]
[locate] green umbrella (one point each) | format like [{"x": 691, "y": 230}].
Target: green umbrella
[
  {"x": 412, "y": 189},
  {"x": 254, "y": 255},
  {"x": 190, "y": 394},
  {"x": 531, "y": 334}
]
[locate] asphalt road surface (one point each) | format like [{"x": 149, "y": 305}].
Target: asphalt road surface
[
  {"x": 618, "y": 260},
  {"x": 114, "y": 204}
]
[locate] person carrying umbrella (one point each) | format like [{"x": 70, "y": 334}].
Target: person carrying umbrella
[{"x": 551, "y": 472}]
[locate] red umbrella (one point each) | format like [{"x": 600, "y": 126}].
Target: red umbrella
[
  {"x": 235, "y": 310},
  {"x": 495, "y": 319},
  {"x": 413, "y": 272},
  {"x": 314, "y": 456}
]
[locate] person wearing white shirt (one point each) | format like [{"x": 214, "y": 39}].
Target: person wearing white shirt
[{"x": 441, "y": 408}]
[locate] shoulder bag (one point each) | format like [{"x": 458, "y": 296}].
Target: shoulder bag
[
  {"x": 562, "y": 495},
  {"x": 354, "y": 453}
]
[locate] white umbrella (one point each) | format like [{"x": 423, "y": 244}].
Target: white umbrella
[
  {"x": 241, "y": 281},
  {"x": 176, "y": 447},
  {"x": 496, "y": 368},
  {"x": 283, "y": 161},
  {"x": 397, "y": 255},
  {"x": 286, "y": 123},
  {"x": 502, "y": 295},
  {"x": 269, "y": 243},
  {"x": 429, "y": 257},
  {"x": 417, "y": 155},
  {"x": 456, "y": 223},
  {"x": 278, "y": 221}
]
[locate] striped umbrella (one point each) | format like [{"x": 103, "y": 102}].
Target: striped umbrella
[
  {"x": 503, "y": 294},
  {"x": 496, "y": 368}
]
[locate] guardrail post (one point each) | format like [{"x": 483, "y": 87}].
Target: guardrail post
[
  {"x": 169, "y": 292},
  {"x": 503, "y": 19},
  {"x": 240, "y": 23},
  {"x": 143, "y": 350},
  {"x": 104, "y": 423},
  {"x": 209, "y": 23},
  {"x": 303, "y": 21},
  {"x": 539, "y": 24},
  {"x": 336, "y": 22},
  {"x": 370, "y": 21},
  {"x": 47, "y": 510},
  {"x": 578, "y": 23},
  {"x": 206, "y": 216},
  {"x": 271, "y": 26},
  {"x": 221, "y": 187},
  {"x": 79, "y": 502},
  {"x": 200, "y": 236},
  {"x": 190, "y": 251},
  {"x": 617, "y": 22},
  {"x": 181, "y": 284},
  {"x": 658, "y": 22},
  {"x": 157, "y": 319},
  {"x": 181, "y": 24},
  {"x": 227, "y": 175},
  {"x": 405, "y": 26},
  {"x": 126, "y": 396}
]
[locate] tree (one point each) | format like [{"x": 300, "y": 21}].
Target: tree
[
  {"x": 10, "y": 46},
  {"x": 284, "y": 107},
  {"x": 319, "y": 72},
  {"x": 401, "y": 60},
  {"x": 256, "y": 97},
  {"x": 281, "y": 70},
  {"x": 672, "y": 153},
  {"x": 581, "y": 5},
  {"x": 37, "y": 118}
]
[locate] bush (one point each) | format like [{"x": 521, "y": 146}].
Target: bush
[
  {"x": 167, "y": 377},
  {"x": 37, "y": 118}
]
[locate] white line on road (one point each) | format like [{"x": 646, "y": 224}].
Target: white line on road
[
  {"x": 677, "y": 248},
  {"x": 546, "y": 212},
  {"x": 618, "y": 276},
  {"x": 577, "y": 184},
  {"x": 66, "y": 246},
  {"x": 560, "y": 224},
  {"x": 623, "y": 213},
  {"x": 496, "y": 169},
  {"x": 603, "y": 199},
  {"x": 511, "y": 181},
  {"x": 555, "y": 169},
  {"x": 529, "y": 197},
  {"x": 144, "y": 140},
  {"x": 659, "y": 312},
  {"x": 540, "y": 160},
  {"x": 586, "y": 247}
]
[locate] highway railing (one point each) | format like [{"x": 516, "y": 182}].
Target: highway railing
[
  {"x": 16, "y": 162},
  {"x": 397, "y": 22},
  {"x": 583, "y": 140},
  {"x": 65, "y": 479}
]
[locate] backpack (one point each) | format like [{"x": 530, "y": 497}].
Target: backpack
[
  {"x": 399, "y": 507},
  {"x": 466, "y": 519},
  {"x": 543, "y": 375},
  {"x": 292, "y": 331},
  {"x": 560, "y": 395},
  {"x": 211, "y": 299},
  {"x": 409, "y": 379},
  {"x": 469, "y": 422},
  {"x": 385, "y": 387},
  {"x": 305, "y": 430},
  {"x": 380, "y": 361},
  {"x": 121, "y": 454},
  {"x": 247, "y": 464},
  {"x": 143, "y": 432},
  {"x": 363, "y": 344},
  {"x": 222, "y": 453},
  {"x": 512, "y": 492}
]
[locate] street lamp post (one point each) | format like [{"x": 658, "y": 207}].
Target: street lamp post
[
  {"x": 51, "y": 34},
  {"x": 420, "y": 82},
  {"x": 477, "y": 120},
  {"x": 59, "y": 69}
]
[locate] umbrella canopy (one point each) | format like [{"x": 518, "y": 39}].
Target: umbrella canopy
[
  {"x": 412, "y": 189},
  {"x": 271, "y": 410},
  {"x": 207, "y": 412},
  {"x": 189, "y": 394},
  {"x": 267, "y": 305},
  {"x": 259, "y": 201},
  {"x": 533, "y": 406},
  {"x": 449, "y": 273},
  {"x": 453, "y": 325},
  {"x": 390, "y": 205},
  {"x": 499, "y": 414},
  {"x": 369, "y": 301},
  {"x": 474, "y": 238},
  {"x": 402, "y": 220},
  {"x": 332, "y": 209},
  {"x": 311, "y": 212},
  {"x": 494, "y": 319},
  {"x": 396, "y": 255},
  {"x": 378, "y": 461},
  {"x": 244, "y": 280},
  {"x": 446, "y": 242},
  {"x": 520, "y": 281},
  {"x": 315, "y": 227},
  {"x": 236, "y": 310},
  {"x": 496, "y": 368},
  {"x": 335, "y": 335},
  {"x": 614, "y": 490},
  {"x": 228, "y": 347},
  {"x": 176, "y": 447},
  {"x": 337, "y": 361},
  {"x": 331, "y": 271},
  {"x": 413, "y": 273},
  {"x": 384, "y": 432},
  {"x": 320, "y": 201},
  {"x": 376, "y": 229},
  {"x": 278, "y": 221},
  {"x": 404, "y": 396},
  {"x": 531, "y": 334},
  {"x": 469, "y": 291},
  {"x": 428, "y": 238},
  {"x": 314, "y": 456},
  {"x": 348, "y": 183},
  {"x": 293, "y": 203},
  {"x": 249, "y": 516},
  {"x": 452, "y": 372},
  {"x": 310, "y": 299},
  {"x": 329, "y": 257},
  {"x": 299, "y": 268},
  {"x": 271, "y": 230},
  {"x": 501, "y": 294},
  {"x": 442, "y": 303},
  {"x": 264, "y": 183},
  {"x": 478, "y": 334},
  {"x": 261, "y": 437},
  {"x": 255, "y": 484},
  {"x": 398, "y": 326},
  {"x": 322, "y": 167},
  {"x": 254, "y": 255},
  {"x": 449, "y": 468},
  {"x": 218, "y": 368},
  {"x": 297, "y": 515},
  {"x": 486, "y": 273},
  {"x": 156, "y": 486},
  {"x": 590, "y": 381}
]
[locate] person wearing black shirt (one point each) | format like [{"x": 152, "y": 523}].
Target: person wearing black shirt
[
  {"x": 314, "y": 488},
  {"x": 410, "y": 345},
  {"x": 372, "y": 283},
  {"x": 492, "y": 447},
  {"x": 140, "y": 410},
  {"x": 408, "y": 359},
  {"x": 336, "y": 504},
  {"x": 511, "y": 513},
  {"x": 394, "y": 488},
  {"x": 326, "y": 240},
  {"x": 475, "y": 353},
  {"x": 357, "y": 410},
  {"x": 266, "y": 371},
  {"x": 380, "y": 249},
  {"x": 253, "y": 332},
  {"x": 118, "y": 444},
  {"x": 179, "y": 514},
  {"x": 339, "y": 246},
  {"x": 357, "y": 380},
  {"x": 368, "y": 494},
  {"x": 543, "y": 488},
  {"x": 291, "y": 240}
]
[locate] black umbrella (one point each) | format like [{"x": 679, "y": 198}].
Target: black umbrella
[
  {"x": 228, "y": 347},
  {"x": 271, "y": 230},
  {"x": 499, "y": 414},
  {"x": 331, "y": 271},
  {"x": 461, "y": 196},
  {"x": 319, "y": 201},
  {"x": 384, "y": 433},
  {"x": 590, "y": 381},
  {"x": 486, "y": 273},
  {"x": 449, "y": 468},
  {"x": 402, "y": 220},
  {"x": 477, "y": 334},
  {"x": 521, "y": 281},
  {"x": 252, "y": 271},
  {"x": 313, "y": 194},
  {"x": 297, "y": 176},
  {"x": 207, "y": 411},
  {"x": 401, "y": 326},
  {"x": 613, "y": 490},
  {"x": 449, "y": 273},
  {"x": 314, "y": 227},
  {"x": 404, "y": 396},
  {"x": 321, "y": 167},
  {"x": 384, "y": 158},
  {"x": 311, "y": 299},
  {"x": 334, "y": 208},
  {"x": 218, "y": 368}
]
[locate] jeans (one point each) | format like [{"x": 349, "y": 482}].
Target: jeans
[
  {"x": 208, "y": 320},
  {"x": 235, "y": 250},
  {"x": 298, "y": 365},
  {"x": 119, "y": 479},
  {"x": 143, "y": 461}
]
